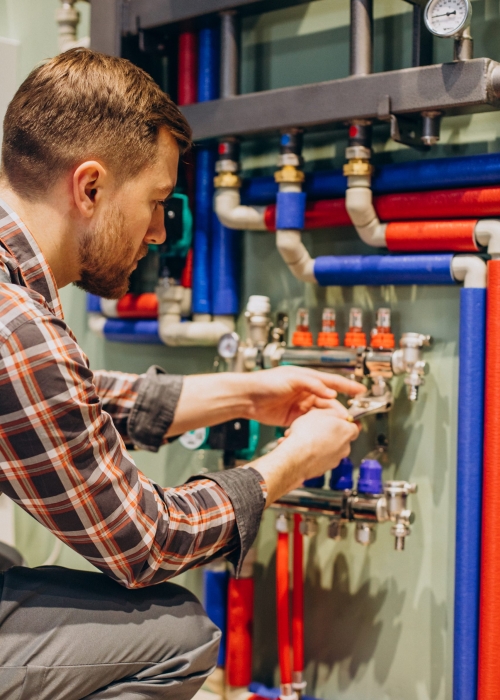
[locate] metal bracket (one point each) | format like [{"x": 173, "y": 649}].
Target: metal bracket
[{"x": 405, "y": 129}]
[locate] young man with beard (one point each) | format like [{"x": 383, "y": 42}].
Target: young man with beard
[{"x": 90, "y": 152}]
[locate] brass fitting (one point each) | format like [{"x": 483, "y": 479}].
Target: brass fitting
[
  {"x": 358, "y": 166},
  {"x": 289, "y": 173},
  {"x": 226, "y": 179}
]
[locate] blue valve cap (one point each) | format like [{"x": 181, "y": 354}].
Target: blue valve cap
[
  {"x": 317, "y": 483},
  {"x": 341, "y": 477},
  {"x": 370, "y": 477}
]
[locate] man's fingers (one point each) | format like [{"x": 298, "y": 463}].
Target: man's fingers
[
  {"x": 331, "y": 382},
  {"x": 333, "y": 404}
]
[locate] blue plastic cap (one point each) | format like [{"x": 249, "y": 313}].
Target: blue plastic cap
[
  {"x": 285, "y": 139},
  {"x": 317, "y": 483},
  {"x": 370, "y": 477},
  {"x": 341, "y": 477}
]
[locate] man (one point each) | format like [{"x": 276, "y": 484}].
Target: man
[{"x": 90, "y": 152}]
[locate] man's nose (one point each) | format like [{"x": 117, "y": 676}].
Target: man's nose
[{"x": 156, "y": 233}]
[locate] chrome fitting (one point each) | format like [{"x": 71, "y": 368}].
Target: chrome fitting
[
  {"x": 365, "y": 534},
  {"x": 337, "y": 529},
  {"x": 282, "y": 523},
  {"x": 308, "y": 527},
  {"x": 396, "y": 493},
  {"x": 358, "y": 152},
  {"x": 227, "y": 165},
  {"x": 290, "y": 159},
  {"x": 408, "y": 360}
]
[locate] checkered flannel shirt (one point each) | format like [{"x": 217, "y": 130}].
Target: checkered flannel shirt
[{"x": 63, "y": 436}]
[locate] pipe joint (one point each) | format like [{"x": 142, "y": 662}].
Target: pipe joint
[
  {"x": 469, "y": 269},
  {"x": 289, "y": 173},
  {"x": 487, "y": 233},
  {"x": 295, "y": 254},
  {"x": 358, "y": 166},
  {"x": 232, "y": 214}
]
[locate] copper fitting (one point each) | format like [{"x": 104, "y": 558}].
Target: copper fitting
[
  {"x": 289, "y": 173},
  {"x": 226, "y": 179},
  {"x": 358, "y": 166}
]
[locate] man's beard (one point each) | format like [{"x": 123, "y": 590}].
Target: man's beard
[{"x": 107, "y": 257}]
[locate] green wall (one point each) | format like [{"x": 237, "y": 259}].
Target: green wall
[{"x": 379, "y": 623}]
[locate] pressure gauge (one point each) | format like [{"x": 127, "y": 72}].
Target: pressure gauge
[
  {"x": 228, "y": 346},
  {"x": 194, "y": 439},
  {"x": 446, "y": 18}
]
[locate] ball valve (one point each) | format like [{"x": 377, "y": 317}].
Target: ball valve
[{"x": 408, "y": 360}]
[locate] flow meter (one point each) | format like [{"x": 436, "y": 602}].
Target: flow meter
[{"x": 447, "y": 18}]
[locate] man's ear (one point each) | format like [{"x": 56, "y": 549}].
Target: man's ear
[{"x": 89, "y": 180}]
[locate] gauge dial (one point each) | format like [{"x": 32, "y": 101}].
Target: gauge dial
[
  {"x": 194, "y": 439},
  {"x": 228, "y": 345},
  {"x": 447, "y": 18}
]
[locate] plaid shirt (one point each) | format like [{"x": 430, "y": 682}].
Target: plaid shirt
[{"x": 63, "y": 431}]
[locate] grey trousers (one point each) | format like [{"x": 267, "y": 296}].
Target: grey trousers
[{"x": 69, "y": 635}]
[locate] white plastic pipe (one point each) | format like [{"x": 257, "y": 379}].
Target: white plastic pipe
[
  {"x": 68, "y": 19},
  {"x": 469, "y": 269},
  {"x": 487, "y": 233},
  {"x": 233, "y": 214},
  {"x": 359, "y": 205},
  {"x": 295, "y": 254}
]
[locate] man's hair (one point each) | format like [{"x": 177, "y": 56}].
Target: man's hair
[{"x": 83, "y": 105}]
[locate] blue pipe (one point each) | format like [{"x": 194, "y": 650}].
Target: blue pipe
[
  {"x": 215, "y": 585},
  {"x": 127, "y": 331},
  {"x": 225, "y": 269},
  {"x": 203, "y": 219},
  {"x": 208, "y": 64},
  {"x": 469, "y": 490},
  {"x": 348, "y": 270},
  {"x": 412, "y": 176},
  {"x": 93, "y": 303}
]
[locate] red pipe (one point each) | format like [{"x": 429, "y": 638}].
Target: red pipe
[
  {"x": 283, "y": 611},
  {"x": 187, "y": 90},
  {"x": 455, "y": 236},
  {"x": 187, "y": 272},
  {"x": 138, "y": 306},
  {"x": 441, "y": 204},
  {"x": 489, "y": 614},
  {"x": 320, "y": 214},
  {"x": 298, "y": 601},
  {"x": 239, "y": 632}
]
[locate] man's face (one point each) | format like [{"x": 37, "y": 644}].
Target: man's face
[{"x": 129, "y": 219}]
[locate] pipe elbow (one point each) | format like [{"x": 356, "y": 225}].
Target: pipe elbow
[
  {"x": 359, "y": 205},
  {"x": 487, "y": 234},
  {"x": 232, "y": 214},
  {"x": 469, "y": 269},
  {"x": 294, "y": 253},
  {"x": 193, "y": 333}
]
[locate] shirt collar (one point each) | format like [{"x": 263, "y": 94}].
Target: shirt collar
[{"x": 34, "y": 268}]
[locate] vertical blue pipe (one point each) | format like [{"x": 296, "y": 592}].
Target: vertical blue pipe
[
  {"x": 93, "y": 303},
  {"x": 208, "y": 63},
  {"x": 203, "y": 215},
  {"x": 225, "y": 269},
  {"x": 469, "y": 489},
  {"x": 215, "y": 602}
]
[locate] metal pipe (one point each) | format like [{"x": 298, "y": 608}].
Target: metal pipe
[
  {"x": 229, "y": 65},
  {"x": 361, "y": 37},
  {"x": 463, "y": 47},
  {"x": 336, "y": 359}
]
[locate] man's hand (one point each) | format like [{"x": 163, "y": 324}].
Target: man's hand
[
  {"x": 316, "y": 442},
  {"x": 281, "y": 395}
]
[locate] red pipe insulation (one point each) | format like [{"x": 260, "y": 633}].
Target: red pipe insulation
[
  {"x": 138, "y": 306},
  {"x": 298, "y": 597},
  {"x": 283, "y": 609},
  {"x": 319, "y": 214},
  {"x": 239, "y": 632},
  {"x": 187, "y": 82},
  {"x": 431, "y": 236},
  {"x": 187, "y": 272},
  {"x": 489, "y": 613},
  {"x": 441, "y": 204}
]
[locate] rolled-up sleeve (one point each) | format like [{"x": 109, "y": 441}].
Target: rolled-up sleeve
[{"x": 142, "y": 406}]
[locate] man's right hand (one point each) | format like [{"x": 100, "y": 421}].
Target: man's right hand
[{"x": 315, "y": 443}]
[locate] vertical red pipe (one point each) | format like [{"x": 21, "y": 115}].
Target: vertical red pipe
[
  {"x": 489, "y": 614},
  {"x": 239, "y": 632},
  {"x": 187, "y": 79},
  {"x": 298, "y": 602},
  {"x": 283, "y": 613}
]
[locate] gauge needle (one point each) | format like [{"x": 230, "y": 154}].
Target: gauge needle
[{"x": 445, "y": 14}]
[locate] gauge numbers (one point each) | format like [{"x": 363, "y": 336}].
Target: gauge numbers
[{"x": 447, "y": 18}]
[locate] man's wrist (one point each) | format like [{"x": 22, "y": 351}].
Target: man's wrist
[{"x": 280, "y": 469}]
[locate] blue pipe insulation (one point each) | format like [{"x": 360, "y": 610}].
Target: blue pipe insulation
[
  {"x": 208, "y": 63},
  {"x": 203, "y": 220},
  {"x": 128, "y": 331},
  {"x": 215, "y": 585},
  {"x": 469, "y": 490},
  {"x": 226, "y": 245},
  {"x": 412, "y": 176},
  {"x": 93, "y": 304},
  {"x": 348, "y": 270}
]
